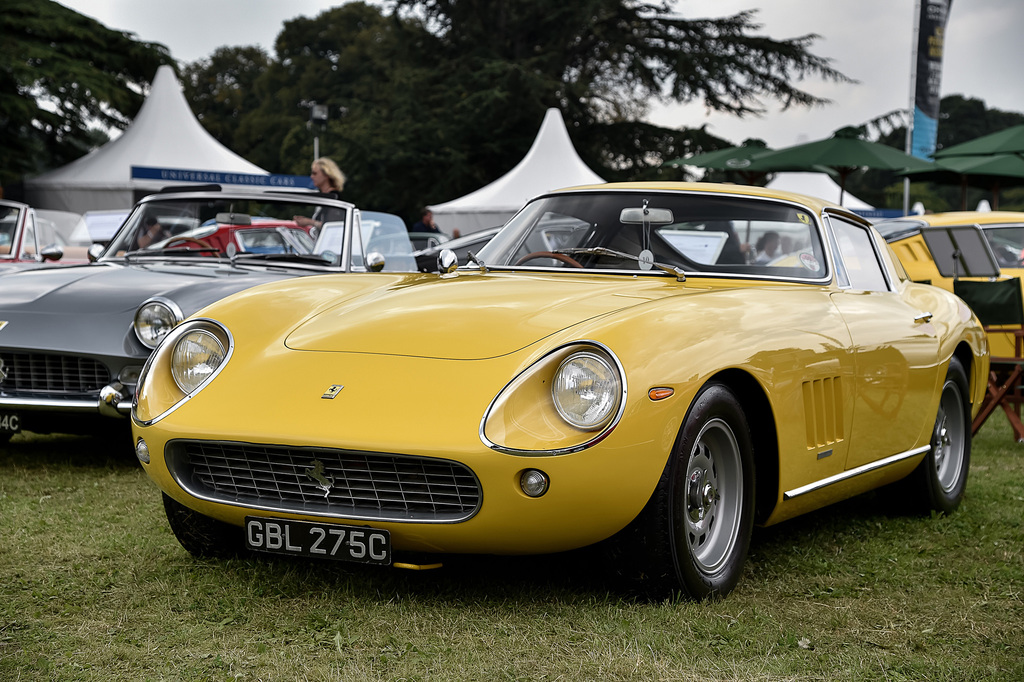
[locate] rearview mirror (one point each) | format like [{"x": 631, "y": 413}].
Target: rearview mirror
[
  {"x": 651, "y": 216},
  {"x": 234, "y": 219}
]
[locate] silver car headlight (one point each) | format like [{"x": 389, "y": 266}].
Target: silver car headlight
[
  {"x": 195, "y": 357},
  {"x": 586, "y": 390},
  {"x": 154, "y": 320}
]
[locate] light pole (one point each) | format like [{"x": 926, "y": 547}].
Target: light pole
[{"x": 317, "y": 117}]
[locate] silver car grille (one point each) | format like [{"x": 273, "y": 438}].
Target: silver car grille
[
  {"x": 42, "y": 374},
  {"x": 324, "y": 481}
]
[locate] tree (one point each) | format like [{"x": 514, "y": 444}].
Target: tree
[
  {"x": 222, "y": 89},
  {"x": 430, "y": 99},
  {"x": 63, "y": 79},
  {"x": 603, "y": 62}
]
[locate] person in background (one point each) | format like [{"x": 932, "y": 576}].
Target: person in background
[
  {"x": 329, "y": 180},
  {"x": 426, "y": 223},
  {"x": 152, "y": 232},
  {"x": 768, "y": 247}
]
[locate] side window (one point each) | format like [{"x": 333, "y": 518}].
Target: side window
[{"x": 857, "y": 252}]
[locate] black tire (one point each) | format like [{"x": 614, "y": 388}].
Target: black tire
[
  {"x": 939, "y": 481},
  {"x": 201, "y": 536},
  {"x": 693, "y": 535}
]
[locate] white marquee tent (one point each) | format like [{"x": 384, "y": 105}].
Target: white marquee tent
[
  {"x": 165, "y": 134},
  {"x": 551, "y": 163},
  {"x": 819, "y": 185}
]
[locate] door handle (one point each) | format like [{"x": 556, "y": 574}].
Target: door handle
[{"x": 923, "y": 317}]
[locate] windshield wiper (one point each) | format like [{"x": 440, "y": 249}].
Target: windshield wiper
[
  {"x": 171, "y": 252},
  {"x": 313, "y": 258},
  {"x": 602, "y": 251},
  {"x": 476, "y": 261}
]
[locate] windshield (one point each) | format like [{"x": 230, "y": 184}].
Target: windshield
[
  {"x": 633, "y": 231},
  {"x": 222, "y": 226}
]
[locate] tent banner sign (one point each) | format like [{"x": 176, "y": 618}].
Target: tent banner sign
[
  {"x": 931, "y": 38},
  {"x": 205, "y": 177}
]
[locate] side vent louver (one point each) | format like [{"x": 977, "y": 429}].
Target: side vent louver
[{"x": 823, "y": 406}]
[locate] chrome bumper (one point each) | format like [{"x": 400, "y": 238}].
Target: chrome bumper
[{"x": 115, "y": 400}]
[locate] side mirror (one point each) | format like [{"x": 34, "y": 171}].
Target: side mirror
[
  {"x": 375, "y": 261},
  {"x": 52, "y": 252},
  {"x": 447, "y": 261},
  {"x": 94, "y": 252}
]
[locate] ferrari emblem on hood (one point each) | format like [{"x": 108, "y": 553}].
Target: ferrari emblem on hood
[{"x": 332, "y": 391}]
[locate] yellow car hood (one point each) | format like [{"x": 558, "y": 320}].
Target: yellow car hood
[{"x": 469, "y": 317}]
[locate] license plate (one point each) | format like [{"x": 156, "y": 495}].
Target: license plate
[
  {"x": 10, "y": 422},
  {"x": 318, "y": 540}
]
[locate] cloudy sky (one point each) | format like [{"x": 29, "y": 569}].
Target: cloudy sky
[{"x": 870, "y": 41}]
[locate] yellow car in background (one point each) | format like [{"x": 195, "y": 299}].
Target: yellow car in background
[
  {"x": 618, "y": 365},
  {"x": 1003, "y": 232}
]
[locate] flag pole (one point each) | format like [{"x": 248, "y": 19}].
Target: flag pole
[{"x": 910, "y": 106}]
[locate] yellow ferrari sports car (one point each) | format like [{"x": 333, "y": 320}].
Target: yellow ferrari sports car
[{"x": 657, "y": 367}]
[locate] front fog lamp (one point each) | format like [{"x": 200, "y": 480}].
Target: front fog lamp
[
  {"x": 533, "y": 482},
  {"x": 194, "y": 359},
  {"x": 586, "y": 390},
  {"x": 153, "y": 321},
  {"x": 142, "y": 451}
]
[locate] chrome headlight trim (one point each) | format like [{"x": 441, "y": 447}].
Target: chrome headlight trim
[
  {"x": 148, "y": 334},
  {"x": 583, "y": 345},
  {"x": 161, "y": 357}
]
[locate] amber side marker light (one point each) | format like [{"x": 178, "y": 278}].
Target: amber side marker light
[{"x": 660, "y": 393}]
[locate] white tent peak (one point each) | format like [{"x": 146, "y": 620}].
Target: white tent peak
[
  {"x": 164, "y": 134},
  {"x": 551, "y": 163}
]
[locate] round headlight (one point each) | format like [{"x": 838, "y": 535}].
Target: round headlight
[
  {"x": 586, "y": 390},
  {"x": 196, "y": 356},
  {"x": 153, "y": 321}
]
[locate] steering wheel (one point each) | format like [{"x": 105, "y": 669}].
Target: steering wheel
[
  {"x": 568, "y": 260},
  {"x": 203, "y": 245}
]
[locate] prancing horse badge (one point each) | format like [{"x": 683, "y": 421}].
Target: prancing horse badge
[{"x": 332, "y": 392}]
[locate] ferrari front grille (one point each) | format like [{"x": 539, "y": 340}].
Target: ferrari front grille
[
  {"x": 323, "y": 481},
  {"x": 55, "y": 376}
]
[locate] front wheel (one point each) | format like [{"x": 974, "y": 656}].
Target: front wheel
[
  {"x": 693, "y": 535},
  {"x": 203, "y": 537},
  {"x": 941, "y": 478}
]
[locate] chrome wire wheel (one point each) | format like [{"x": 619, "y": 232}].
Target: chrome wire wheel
[
  {"x": 714, "y": 496},
  {"x": 948, "y": 438}
]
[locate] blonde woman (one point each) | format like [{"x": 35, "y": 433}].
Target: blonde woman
[{"x": 329, "y": 179}]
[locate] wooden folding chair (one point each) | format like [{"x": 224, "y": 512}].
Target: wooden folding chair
[{"x": 1000, "y": 307}]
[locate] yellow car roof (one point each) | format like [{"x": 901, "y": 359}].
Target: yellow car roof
[{"x": 723, "y": 188}]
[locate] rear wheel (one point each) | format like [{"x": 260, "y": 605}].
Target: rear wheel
[
  {"x": 692, "y": 537},
  {"x": 201, "y": 536},
  {"x": 941, "y": 479}
]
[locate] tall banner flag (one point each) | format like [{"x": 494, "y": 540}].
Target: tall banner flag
[{"x": 931, "y": 38}]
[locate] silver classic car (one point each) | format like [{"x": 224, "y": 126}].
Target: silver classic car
[{"x": 73, "y": 339}]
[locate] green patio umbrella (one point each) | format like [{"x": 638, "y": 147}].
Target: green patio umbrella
[
  {"x": 843, "y": 153},
  {"x": 1009, "y": 140},
  {"x": 730, "y": 159},
  {"x": 993, "y": 172}
]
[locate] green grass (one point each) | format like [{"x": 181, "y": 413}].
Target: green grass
[{"x": 93, "y": 586}]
